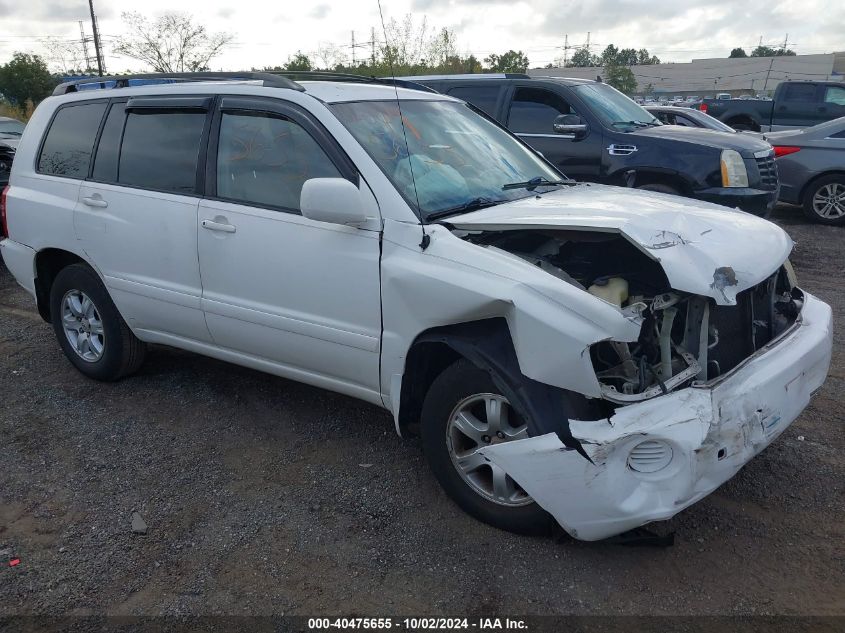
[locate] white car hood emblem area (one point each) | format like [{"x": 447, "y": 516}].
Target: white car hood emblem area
[{"x": 704, "y": 249}]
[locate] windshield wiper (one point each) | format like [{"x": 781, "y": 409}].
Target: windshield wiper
[
  {"x": 471, "y": 205},
  {"x": 539, "y": 181},
  {"x": 637, "y": 123}
]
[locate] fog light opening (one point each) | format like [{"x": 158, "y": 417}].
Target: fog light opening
[{"x": 650, "y": 456}]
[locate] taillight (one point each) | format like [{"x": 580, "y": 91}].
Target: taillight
[
  {"x": 703, "y": 107},
  {"x": 4, "y": 227},
  {"x": 785, "y": 150}
]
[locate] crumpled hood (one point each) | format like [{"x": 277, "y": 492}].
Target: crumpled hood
[{"x": 704, "y": 249}]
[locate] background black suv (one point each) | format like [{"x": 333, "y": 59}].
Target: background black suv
[{"x": 592, "y": 132}]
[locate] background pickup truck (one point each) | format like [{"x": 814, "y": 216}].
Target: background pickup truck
[{"x": 795, "y": 104}]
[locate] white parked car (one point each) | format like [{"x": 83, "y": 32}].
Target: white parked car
[{"x": 599, "y": 355}]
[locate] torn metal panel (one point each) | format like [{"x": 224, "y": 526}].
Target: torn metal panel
[
  {"x": 703, "y": 248},
  {"x": 651, "y": 460}
]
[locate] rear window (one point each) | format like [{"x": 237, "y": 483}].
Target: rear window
[
  {"x": 70, "y": 140},
  {"x": 160, "y": 150},
  {"x": 482, "y": 97},
  {"x": 800, "y": 92}
]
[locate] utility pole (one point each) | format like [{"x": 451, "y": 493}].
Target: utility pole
[
  {"x": 373, "y": 46},
  {"x": 353, "y": 49},
  {"x": 768, "y": 72},
  {"x": 84, "y": 41},
  {"x": 97, "y": 48},
  {"x": 565, "y": 49}
]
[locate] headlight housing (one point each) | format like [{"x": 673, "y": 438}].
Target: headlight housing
[{"x": 734, "y": 173}]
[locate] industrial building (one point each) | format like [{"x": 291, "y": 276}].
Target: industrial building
[{"x": 706, "y": 77}]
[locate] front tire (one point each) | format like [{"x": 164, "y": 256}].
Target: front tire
[
  {"x": 463, "y": 411},
  {"x": 824, "y": 200},
  {"x": 90, "y": 330}
]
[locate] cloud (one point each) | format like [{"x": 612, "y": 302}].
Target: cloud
[{"x": 319, "y": 12}]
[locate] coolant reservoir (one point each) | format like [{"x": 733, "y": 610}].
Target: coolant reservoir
[{"x": 612, "y": 289}]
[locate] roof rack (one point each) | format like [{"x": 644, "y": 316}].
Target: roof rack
[
  {"x": 271, "y": 80},
  {"x": 327, "y": 75}
]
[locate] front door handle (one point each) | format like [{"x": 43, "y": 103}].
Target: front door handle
[
  {"x": 218, "y": 226},
  {"x": 95, "y": 201}
]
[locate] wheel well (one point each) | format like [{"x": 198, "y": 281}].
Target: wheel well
[
  {"x": 434, "y": 350},
  {"x": 743, "y": 120},
  {"x": 48, "y": 263},
  {"x": 426, "y": 360},
  {"x": 654, "y": 178},
  {"x": 807, "y": 186}
]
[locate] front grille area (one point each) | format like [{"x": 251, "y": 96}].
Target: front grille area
[
  {"x": 768, "y": 170},
  {"x": 761, "y": 313}
]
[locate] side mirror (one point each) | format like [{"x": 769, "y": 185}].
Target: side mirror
[
  {"x": 334, "y": 200},
  {"x": 571, "y": 125}
]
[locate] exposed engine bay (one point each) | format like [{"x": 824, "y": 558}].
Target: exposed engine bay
[{"x": 684, "y": 338}]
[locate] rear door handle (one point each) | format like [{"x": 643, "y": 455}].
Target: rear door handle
[
  {"x": 218, "y": 226},
  {"x": 95, "y": 201}
]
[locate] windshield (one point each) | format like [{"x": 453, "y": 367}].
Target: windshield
[
  {"x": 11, "y": 128},
  {"x": 459, "y": 159},
  {"x": 613, "y": 108}
]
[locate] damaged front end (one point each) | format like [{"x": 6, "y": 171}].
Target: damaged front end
[{"x": 717, "y": 372}]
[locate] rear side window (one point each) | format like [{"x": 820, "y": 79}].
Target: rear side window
[
  {"x": 265, "y": 159},
  {"x": 533, "y": 111},
  {"x": 69, "y": 142},
  {"x": 108, "y": 150},
  {"x": 805, "y": 93},
  {"x": 160, "y": 150},
  {"x": 482, "y": 97}
]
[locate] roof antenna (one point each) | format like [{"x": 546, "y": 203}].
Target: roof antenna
[{"x": 426, "y": 238}]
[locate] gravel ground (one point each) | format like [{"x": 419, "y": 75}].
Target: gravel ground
[{"x": 265, "y": 496}]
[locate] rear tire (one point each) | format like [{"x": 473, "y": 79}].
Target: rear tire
[
  {"x": 458, "y": 389},
  {"x": 660, "y": 188},
  {"x": 90, "y": 330},
  {"x": 824, "y": 200}
]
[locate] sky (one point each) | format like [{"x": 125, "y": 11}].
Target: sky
[{"x": 267, "y": 33}]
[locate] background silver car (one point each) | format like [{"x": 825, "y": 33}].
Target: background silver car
[{"x": 811, "y": 163}]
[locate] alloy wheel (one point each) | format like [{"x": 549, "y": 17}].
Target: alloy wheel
[{"x": 478, "y": 421}]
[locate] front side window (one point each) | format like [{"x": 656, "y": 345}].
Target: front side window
[
  {"x": 70, "y": 140},
  {"x": 160, "y": 150},
  {"x": 835, "y": 95},
  {"x": 453, "y": 156},
  {"x": 533, "y": 111},
  {"x": 265, "y": 159},
  {"x": 613, "y": 108}
]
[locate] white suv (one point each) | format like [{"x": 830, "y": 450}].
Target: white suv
[{"x": 595, "y": 354}]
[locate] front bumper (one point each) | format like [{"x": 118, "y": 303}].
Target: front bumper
[
  {"x": 755, "y": 201},
  {"x": 713, "y": 430}
]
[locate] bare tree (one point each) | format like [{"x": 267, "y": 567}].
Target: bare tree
[
  {"x": 173, "y": 42},
  {"x": 330, "y": 56},
  {"x": 65, "y": 56}
]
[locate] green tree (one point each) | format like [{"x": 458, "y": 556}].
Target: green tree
[
  {"x": 609, "y": 56},
  {"x": 738, "y": 52},
  {"x": 622, "y": 78},
  {"x": 768, "y": 51},
  {"x": 509, "y": 62},
  {"x": 25, "y": 78},
  {"x": 300, "y": 61},
  {"x": 644, "y": 58},
  {"x": 582, "y": 58}
]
